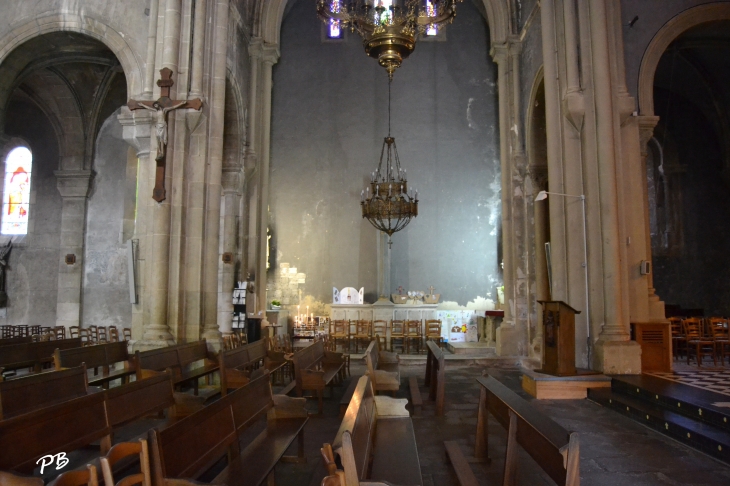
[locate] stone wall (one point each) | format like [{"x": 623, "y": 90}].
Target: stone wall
[{"x": 329, "y": 119}]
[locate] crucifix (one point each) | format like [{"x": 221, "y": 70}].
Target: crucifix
[{"x": 161, "y": 107}]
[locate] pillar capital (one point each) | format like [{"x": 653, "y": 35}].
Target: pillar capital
[
  {"x": 646, "y": 131},
  {"x": 266, "y": 52},
  {"x": 73, "y": 183},
  {"x": 136, "y": 129}
]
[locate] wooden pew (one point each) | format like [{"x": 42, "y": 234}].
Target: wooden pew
[
  {"x": 179, "y": 360},
  {"x": 78, "y": 422},
  {"x": 554, "y": 449},
  {"x": 376, "y": 442},
  {"x": 103, "y": 356},
  {"x": 384, "y": 375},
  {"x": 16, "y": 340},
  {"x": 436, "y": 376},
  {"x": 190, "y": 447},
  {"x": 33, "y": 355},
  {"x": 237, "y": 364},
  {"x": 41, "y": 390},
  {"x": 315, "y": 368}
]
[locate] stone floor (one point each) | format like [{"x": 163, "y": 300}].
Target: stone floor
[{"x": 614, "y": 450}]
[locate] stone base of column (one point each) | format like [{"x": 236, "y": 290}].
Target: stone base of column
[
  {"x": 656, "y": 306},
  {"x": 213, "y": 339},
  {"x": 147, "y": 344},
  {"x": 617, "y": 357},
  {"x": 508, "y": 338}
]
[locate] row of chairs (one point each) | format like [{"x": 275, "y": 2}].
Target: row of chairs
[
  {"x": 89, "y": 335},
  {"x": 99, "y": 334},
  {"x": 235, "y": 340},
  {"x": 89, "y": 476},
  {"x": 701, "y": 336},
  {"x": 407, "y": 334}
]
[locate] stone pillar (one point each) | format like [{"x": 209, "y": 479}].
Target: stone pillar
[
  {"x": 269, "y": 57},
  {"x": 212, "y": 254},
  {"x": 196, "y": 78},
  {"x": 614, "y": 353},
  {"x": 74, "y": 187},
  {"x": 542, "y": 288},
  {"x": 149, "y": 78},
  {"x": 231, "y": 197}
]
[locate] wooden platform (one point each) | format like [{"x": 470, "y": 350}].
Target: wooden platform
[
  {"x": 551, "y": 387},
  {"x": 472, "y": 349}
]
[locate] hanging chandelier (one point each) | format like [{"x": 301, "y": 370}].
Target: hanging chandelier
[
  {"x": 387, "y": 201},
  {"x": 389, "y": 28}
]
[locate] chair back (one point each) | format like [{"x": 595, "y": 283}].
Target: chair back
[
  {"x": 397, "y": 328},
  {"x": 676, "y": 324},
  {"x": 719, "y": 328},
  {"x": 433, "y": 328},
  {"x": 94, "y": 334},
  {"x": 692, "y": 328},
  {"x": 127, "y": 333},
  {"x": 102, "y": 334},
  {"x": 413, "y": 328},
  {"x": 113, "y": 334},
  {"x": 83, "y": 477},
  {"x": 59, "y": 332},
  {"x": 364, "y": 328},
  {"x": 119, "y": 452},
  {"x": 74, "y": 330},
  {"x": 341, "y": 328}
]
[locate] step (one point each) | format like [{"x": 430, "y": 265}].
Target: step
[
  {"x": 686, "y": 400},
  {"x": 693, "y": 433}
]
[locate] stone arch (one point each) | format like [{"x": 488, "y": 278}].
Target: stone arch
[
  {"x": 665, "y": 36},
  {"x": 271, "y": 14},
  {"x": 86, "y": 25}
]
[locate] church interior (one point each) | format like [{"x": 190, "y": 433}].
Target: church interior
[{"x": 493, "y": 230}]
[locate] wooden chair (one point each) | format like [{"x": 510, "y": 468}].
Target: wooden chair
[
  {"x": 59, "y": 332},
  {"x": 398, "y": 333},
  {"x": 10, "y": 479},
  {"x": 679, "y": 340},
  {"x": 113, "y": 334},
  {"x": 84, "y": 336},
  {"x": 102, "y": 337},
  {"x": 363, "y": 332},
  {"x": 696, "y": 342},
  {"x": 721, "y": 336},
  {"x": 433, "y": 331},
  {"x": 380, "y": 329},
  {"x": 413, "y": 334},
  {"x": 127, "y": 333},
  {"x": 74, "y": 330},
  {"x": 77, "y": 478},
  {"x": 340, "y": 331},
  {"x": 93, "y": 334},
  {"x": 119, "y": 452},
  {"x": 6, "y": 331}
]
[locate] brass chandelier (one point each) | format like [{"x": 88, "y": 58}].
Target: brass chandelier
[
  {"x": 389, "y": 28},
  {"x": 387, "y": 201}
]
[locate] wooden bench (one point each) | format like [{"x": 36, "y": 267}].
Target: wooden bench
[
  {"x": 33, "y": 355},
  {"x": 347, "y": 397},
  {"x": 16, "y": 340},
  {"x": 436, "y": 376},
  {"x": 179, "y": 360},
  {"x": 237, "y": 364},
  {"x": 376, "y": 442},
  {"x": 41, "y": 390},
  {"x": 190, "y": 447},
  {"x": 315, "y": 368},
  {"x": 385, "y": 376},
  {"x": 554, "y": 449},
  {"x": 78, "y": 422},
  {"x": 104, "y": 356}
]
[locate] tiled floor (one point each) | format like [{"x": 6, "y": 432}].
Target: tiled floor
[{"x": 716, "y": 379}]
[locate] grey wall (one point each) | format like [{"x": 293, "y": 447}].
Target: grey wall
[
  {"x": 328, "y": 123},
  {"x": 32, "y": 273},
  {"x": 106, "y": 292}
]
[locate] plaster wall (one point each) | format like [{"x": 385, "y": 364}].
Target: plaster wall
[
  {"x": 328, "y": 123},
  {"x": 32, "y": 272},
  {"x": 105, "y": 299}
]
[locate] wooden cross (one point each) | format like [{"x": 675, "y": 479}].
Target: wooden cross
[
  {"x": 400, "y": 290},
  {"x": 161, "y": 107},
  {"x": 431, "y": 288}
]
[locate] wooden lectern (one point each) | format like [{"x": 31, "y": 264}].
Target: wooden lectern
[{"x": 558, "y": 338}]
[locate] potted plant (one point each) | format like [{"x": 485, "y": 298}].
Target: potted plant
[{"x": 275, "y": 304}]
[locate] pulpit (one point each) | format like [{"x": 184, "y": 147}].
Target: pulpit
[{"x": 558, "y": 338}]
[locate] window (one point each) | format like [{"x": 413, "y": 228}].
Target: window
[
  {"x": 431, "y": 11},
  {"x": 16, "y": 191},
  {"x": 334, "y": 27},
  {"x": 385, "y": 15}
]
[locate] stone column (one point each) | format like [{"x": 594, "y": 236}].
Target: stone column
[
  {"x": 74, "y": 187},
  {"x": 614, "y": 353},
  {"x": 212, "y": 253},
  {"x": 269, "y": 57},
  {"x": 149, "y": 78},
  {"x": 196, "y": 78},
  {"x": 231, "y": 197}
]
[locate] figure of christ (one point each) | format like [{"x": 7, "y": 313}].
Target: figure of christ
[{"x": 161, "y": 131}]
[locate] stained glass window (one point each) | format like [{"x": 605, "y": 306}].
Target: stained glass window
[
  {"x": 431, "y": 11},
  {"x": 334, "y": 28},
  {"x": 16, "y": 193},
  {"x": 385, "y": 14}
]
